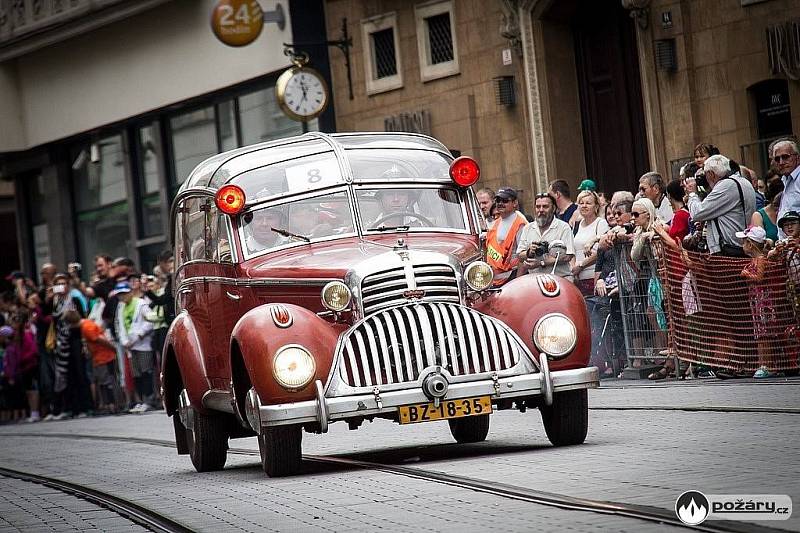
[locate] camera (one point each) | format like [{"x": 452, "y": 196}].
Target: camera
[
  {"x": 701, "y": 180},
  {"x": 628, "y": 228},
  {"x": 74, "y": 267},
  {"x": 539, "y": 249},
  {"x": 59, "y": 289}
]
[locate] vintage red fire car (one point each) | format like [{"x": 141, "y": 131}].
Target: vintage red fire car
[{"x": 327, "y": 278}]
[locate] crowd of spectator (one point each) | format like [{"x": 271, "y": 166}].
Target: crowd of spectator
[
  {"x": 77, "y": 344},
  {"x": 715, "y": 207}
]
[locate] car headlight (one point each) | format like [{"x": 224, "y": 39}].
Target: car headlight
[
  {"x": 336, "y": 296},
  {"x": 555, "y": 335},
  {"x": 478, "y": 275},
  {"x": 293, "y": 367}
]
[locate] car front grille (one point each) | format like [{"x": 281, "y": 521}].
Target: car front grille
[
  {"x": 390, "y": 287},
  {"x": 396, "y": 345}
]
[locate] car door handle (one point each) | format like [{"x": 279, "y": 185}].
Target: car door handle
[{"x": 232, "y": 296}]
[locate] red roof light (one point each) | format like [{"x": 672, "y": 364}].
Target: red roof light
[
  {"x": 465, "y": 171},
  {"x": 230, "y": 199}
]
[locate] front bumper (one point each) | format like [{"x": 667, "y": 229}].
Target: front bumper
[{"x": 325, "y": 410}]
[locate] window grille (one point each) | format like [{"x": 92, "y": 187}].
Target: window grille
[
  {"x": 384, "y": 50},
  {"x": 440, "y": 38}
]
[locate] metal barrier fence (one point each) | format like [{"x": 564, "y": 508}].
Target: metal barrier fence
[{"x": 641, "y": 297}]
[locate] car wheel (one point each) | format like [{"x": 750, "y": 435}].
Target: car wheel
[
  {"x": 207, "y": 441},
  {"x": 470, "y": 428},
  {"x": 567, "y": 420},
  {"x": 281, "y": 450}
]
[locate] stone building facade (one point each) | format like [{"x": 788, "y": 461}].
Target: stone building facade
[
  {"x": 457, "y": 103},
  {"x": 607, "y": 89}
]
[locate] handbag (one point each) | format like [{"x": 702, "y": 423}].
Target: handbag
[{"x": 50, "y": 339}]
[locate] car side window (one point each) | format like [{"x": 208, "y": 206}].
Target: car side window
[{"x": 222, "y": 239}]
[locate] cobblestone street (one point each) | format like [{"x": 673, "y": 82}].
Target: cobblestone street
[{"x": 646, "y": 456}]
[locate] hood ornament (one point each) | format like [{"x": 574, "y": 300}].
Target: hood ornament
[{"x": 401, "y": 244}]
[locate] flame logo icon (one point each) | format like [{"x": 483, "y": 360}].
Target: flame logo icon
[{"x": 692, "y": 507}]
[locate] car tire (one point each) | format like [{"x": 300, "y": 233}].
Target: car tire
[
  {"x": 566, "y": 422},
  {"x": 469, "y": 429},
  {"x": 281, "y": 450},
  {"x": 208, "y": 442}
]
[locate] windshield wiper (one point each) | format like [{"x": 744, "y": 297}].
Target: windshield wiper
[
  {"x": 389, "y": 228},
  {"x": 291, "y": 235}
]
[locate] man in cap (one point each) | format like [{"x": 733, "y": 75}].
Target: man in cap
[{"x": 503, "y": 236}]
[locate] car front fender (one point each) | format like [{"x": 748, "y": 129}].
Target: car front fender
[
  {"x": 521, "y": 303},
  {"x": 183, "y": 364},
  {"x": 258, "y": 337}
]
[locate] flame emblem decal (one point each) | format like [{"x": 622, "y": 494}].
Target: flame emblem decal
[
  {"x": 692, "y": 507},
  {"x": 280, "y": 315}
]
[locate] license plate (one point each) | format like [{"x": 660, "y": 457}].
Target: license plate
[{"x": 426, "y": 412}]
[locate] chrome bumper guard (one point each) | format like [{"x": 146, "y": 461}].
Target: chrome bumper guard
[{"x": 325, "y": 410}]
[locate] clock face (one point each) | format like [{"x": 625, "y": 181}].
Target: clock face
[{"x": 303, "y": 94}]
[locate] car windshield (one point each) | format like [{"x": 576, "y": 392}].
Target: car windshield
[
  {"x": 414, "y": 209},
  {"x": 298, "y": 221}
]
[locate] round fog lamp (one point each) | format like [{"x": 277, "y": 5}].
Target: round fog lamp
[
  {"x": 293, "y": 367},
  {"x": 555, "y": 335},
  {"x": 478, "y": 275},
  {"x": 336, "y": 296}
]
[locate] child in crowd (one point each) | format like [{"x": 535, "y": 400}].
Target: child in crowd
[
  {"x": 104, "y": 368},
  {"x": 755, "y": 244}
]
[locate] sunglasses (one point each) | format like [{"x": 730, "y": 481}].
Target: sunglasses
[
  {"x": 617, "y": 213},
  {"x": 634, "y": 214},
  {"x": 783, "y": 157},
  {"x": 501, "y": 200}
]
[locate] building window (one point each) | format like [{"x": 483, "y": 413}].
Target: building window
[
  {"x": 382, "y": 67},
  {"x": 194, "y": 138},
  {"x": 261, "y": 118},
  {"x": 99, "y": 175},
  {"x": 149, "y": 172},
  {"x": 436, "y": 40},
  {"x": 228, "y": 139}
]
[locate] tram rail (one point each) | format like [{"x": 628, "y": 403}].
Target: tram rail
[{"x": 646, "y": 513}]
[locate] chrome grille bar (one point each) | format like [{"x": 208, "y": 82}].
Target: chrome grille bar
[
  {"x": 397, "y": 345},
  {"x": 386, "y": 288}
]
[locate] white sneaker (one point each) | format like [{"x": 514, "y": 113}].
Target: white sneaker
[
  {"x": 145, "y": 407},
  {"x": 63, "y": 416},
  {"x": 136, "y": 409},
  {"x": 32, "y": 419},
  {"x": 50, "y": 417}
]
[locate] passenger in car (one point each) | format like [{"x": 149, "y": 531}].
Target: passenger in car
[{"x": 258, "y": 229}]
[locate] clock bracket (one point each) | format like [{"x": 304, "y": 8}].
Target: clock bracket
[{"x": 344, "y": 44}]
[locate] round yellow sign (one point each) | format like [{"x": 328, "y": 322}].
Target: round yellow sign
[{"x": 237, "y": 22}]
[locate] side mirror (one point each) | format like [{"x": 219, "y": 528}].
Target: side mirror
[{"x": 557, "y": 248}]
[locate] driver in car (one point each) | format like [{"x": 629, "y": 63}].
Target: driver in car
[
  {"x": 397, "y": 208},
  {"x": 258, "y": 229}
]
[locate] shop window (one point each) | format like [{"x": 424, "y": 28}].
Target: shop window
[
  {"x": 436, "y": 40},
  {"x": 194, "y": 138},
  {"x": 99, "y": 174},
  {"x": 383, "y": 70},
  {"x": 261, "y": 119},
  {"x": 149, "y": 181},
  {"x": 36, "y": 199},
  {"x": 226, "y": 111}
]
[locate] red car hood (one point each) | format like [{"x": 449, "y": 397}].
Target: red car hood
[{"x": 332, "y": 259}]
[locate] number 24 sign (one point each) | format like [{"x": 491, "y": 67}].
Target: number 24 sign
[{"x": 237, "y": 22}]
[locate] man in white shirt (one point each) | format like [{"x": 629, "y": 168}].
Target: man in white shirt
[
  {"x": 786, "y": 158},
  {"x": 653, "y": 187},
  {"x": 546, "y": 228}
]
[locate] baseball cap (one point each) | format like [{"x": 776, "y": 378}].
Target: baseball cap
[
  {"x": 789, "y": 216},
  {"x": 754, "y": 233},
  {"x": 506, "y": 193},
  {"x": 16, "y": 274},
  {"x": 121, "y": 287},
  {"x": 587, "y": 185}
]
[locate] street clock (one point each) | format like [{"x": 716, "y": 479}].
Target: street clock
[{"x": 301, "y": 91}]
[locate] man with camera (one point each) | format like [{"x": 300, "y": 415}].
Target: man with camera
[
  {"x": 728, "y": 208},
  {"x": 535, "y": 240}
]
